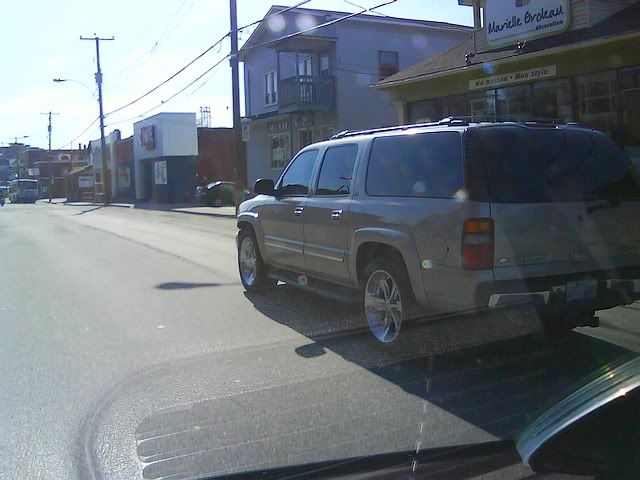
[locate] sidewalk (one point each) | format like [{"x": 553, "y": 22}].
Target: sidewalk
[
  {"x": 190, "y": 208},
  {"x": 194, "y": 209}
]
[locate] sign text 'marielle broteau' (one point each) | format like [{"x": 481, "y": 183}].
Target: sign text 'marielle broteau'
[{"x": 531, "y": 16}]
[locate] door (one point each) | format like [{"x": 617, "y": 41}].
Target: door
[
  {"x": 305, "y": 75},
  {"x": 327, "y": 215},
  {"x": 283, "y": 216}
]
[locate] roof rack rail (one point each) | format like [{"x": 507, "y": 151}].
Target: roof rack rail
[{"x": 451, "y": 121}]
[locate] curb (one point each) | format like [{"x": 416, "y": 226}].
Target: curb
[{"x": 115, "y": 205}]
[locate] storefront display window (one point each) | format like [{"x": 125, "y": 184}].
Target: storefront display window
[
  {"x": 455, "y": 106},
  {"x": 425, "y": 111},
  {"x": 597, "y": 101},
  {"x": 513, "y": 103},
  {"x": 279, "y": 150},
  {"x": 552, "y": 100},
  {"x": 630, "y": 100},
  {"x": 483, "y": 106}
]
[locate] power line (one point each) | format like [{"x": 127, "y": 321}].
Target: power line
[
  {"x": 161, "y": 38},
  {"x": 326, "y": 24},
  {"x": 149, "y": 92},
  {"x": 70, "y": 142},
  {"x": 185, "y": 87}
]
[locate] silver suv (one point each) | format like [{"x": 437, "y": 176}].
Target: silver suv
[{"x": 451, "y": 217}]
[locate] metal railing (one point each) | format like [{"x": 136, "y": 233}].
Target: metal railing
[{"x": 306, "y": 92}]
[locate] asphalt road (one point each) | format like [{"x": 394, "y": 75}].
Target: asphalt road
[{"x": 129, "y": 349}]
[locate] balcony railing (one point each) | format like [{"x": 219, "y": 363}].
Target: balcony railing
[{"x": 306, "y": 93}]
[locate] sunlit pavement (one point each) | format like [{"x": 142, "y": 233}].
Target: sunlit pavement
[{"x": 129, "y": 349}]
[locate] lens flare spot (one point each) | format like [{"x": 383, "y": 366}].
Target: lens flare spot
[
  {"x": 305, "y": 22},
  {"x": 277, "y": 23},
  {"x": 488, "y": 68},
  {"x": 419, "y": 41}
]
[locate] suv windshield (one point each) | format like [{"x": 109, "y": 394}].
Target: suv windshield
[{"x": 532, "y": 165}]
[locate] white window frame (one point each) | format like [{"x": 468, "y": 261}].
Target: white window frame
[{"x": 270, "y": 89}]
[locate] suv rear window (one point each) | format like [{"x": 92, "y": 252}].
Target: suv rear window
[
  {"x": 533, "y": 165},
  {"x": 421, "y": 165}
]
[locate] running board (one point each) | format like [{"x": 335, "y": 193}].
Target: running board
[{"x": 317, "y": 286}]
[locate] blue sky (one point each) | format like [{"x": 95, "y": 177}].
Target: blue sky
[{"x": 154, "y": 38}]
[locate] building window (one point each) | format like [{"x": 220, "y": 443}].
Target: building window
[
  {"x": 271, "y": 88},
  {"x": 388, "y": 64},
  {"x": 305, "y": 137},
  {"x": 552, "y": 100},
  {"x": 630, "y": 99},
  {"x": 513, "y": 103},
  {"x": 597, "y": 101},
  {"x": 325, "y": 66},
  {"x": 425, "y": 111},
  {"x": 279, "y": 150},
  {"x": 482, "y": 106},
  {"x": 455, "y": 106}
]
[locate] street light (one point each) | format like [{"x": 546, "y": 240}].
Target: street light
[{"x": 62, "y": 80}]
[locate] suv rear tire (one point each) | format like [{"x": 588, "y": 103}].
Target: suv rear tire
[
  {"x": 386, "y": 298},
  {"x": 253, "y": 271}
]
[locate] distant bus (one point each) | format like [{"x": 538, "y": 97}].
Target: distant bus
[{"x": 23, "y": 191}]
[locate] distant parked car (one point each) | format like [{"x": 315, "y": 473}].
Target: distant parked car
[{"x": 217, "y": 194}]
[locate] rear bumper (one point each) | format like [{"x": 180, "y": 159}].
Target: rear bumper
[{"x": 610, "y": 289}]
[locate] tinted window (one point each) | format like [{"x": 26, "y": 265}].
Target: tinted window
[
  {"x": 424, "y": 165},
  {"x": 337, "y": 170},
  {"x": 550, "y": 165},
  {"x": 297, "y": 178}
]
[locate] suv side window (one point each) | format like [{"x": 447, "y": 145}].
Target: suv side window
[
  {"x": 337, "y": 170},
  {"x": 422, "y": 165},
  {"x": 297, "y": 177}
]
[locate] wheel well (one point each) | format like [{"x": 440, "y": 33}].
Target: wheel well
[
  {"x": 370, "y": 250},
  {"x": 246, "y": 225}
]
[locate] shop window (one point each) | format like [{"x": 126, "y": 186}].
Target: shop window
[
  {"x": 596, "y": 101},
  {"x": 425, "y": 111},
  {"x": 305, "y": 137},
  {"x": 388, "y": 64},
  {"x": 328, "y": 131},
  {"x": 513, "y": 103},
  {"x": 279, "y": 150},
  {"x": 455, "y": 106},
  {"x": 552, "y": 100},
  {"x": 630, "y": 99},
  {"x": 482, "y": 106}
]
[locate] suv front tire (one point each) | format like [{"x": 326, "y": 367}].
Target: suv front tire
[{"x": 253, "y": 271}]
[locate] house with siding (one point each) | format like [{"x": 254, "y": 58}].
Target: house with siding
[{"x": 307, "y": 75}]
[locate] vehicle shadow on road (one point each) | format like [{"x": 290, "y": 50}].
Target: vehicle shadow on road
[{"x": 497, "y": 372}]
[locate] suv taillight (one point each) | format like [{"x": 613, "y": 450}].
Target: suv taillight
[{"x": 477, "y": 244}]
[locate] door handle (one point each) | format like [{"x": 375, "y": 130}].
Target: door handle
[
  {"x": 336, "y": 215},
  {"x": 298, "y": 211}
]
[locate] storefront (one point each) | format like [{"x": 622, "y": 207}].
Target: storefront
[
  {"x": 165, "y": 151},
  {"x": 589, "y": 74},
  {"x": 283, "y": 135}
]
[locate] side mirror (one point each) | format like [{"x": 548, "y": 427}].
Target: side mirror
[{"x": 264, "y": 186}]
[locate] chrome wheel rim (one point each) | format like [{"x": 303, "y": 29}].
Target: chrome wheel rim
[
  {"x": 383, "y": 306},
  {"x": 248, "y": 261}
]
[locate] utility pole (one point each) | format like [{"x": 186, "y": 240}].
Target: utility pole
[
  {"x": 49, "y": 165},
  {"x": 103, "y": 144},
  {"x": 238, "y": 148}
]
